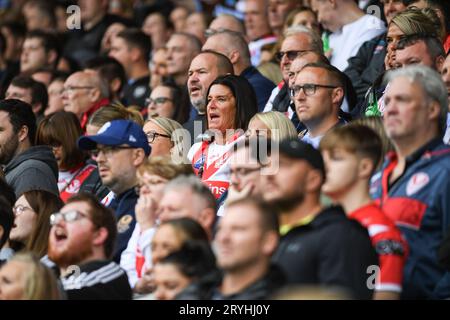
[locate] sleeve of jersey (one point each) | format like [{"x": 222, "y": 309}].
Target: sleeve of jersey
[{"x": 392, "y": 252}]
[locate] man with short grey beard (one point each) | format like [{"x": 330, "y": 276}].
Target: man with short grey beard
[{"x": 204, "y": 69}]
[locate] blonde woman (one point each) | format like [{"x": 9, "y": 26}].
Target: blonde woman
[
  {"x": 25, "y": 278},
  {"x": 165, "y": 136},
  {"x": 152, "y": 177},
  {"x": 273, "y": 125}
]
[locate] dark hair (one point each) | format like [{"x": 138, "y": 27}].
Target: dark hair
[
  {"x": 2, "y": 45},
  {"x": 16, "y": 29},
  {"x": 49, "y": 42},
  {"x": 433, "y": 44},
  {"x": 189, "y": 227},
  {"x": 224, "y": 65},
  {"x": 108, "y": 68},
  {"x": 6, "y": 218},
  {"x": 136, "y": 38},
  {"x": 244, "y": 94},
  {"x": 336, "y": 76},
  {"x": 20, "y": 114},
  {"x": 194, "y": 259},
  {"x": 46, "y": 8},
  {"x": 7, "y": 192},
  {"x": 38, "y": 90},
  {"x": 167, "y": 23},
  {"x": 62, "y": 129},
  {"x": 44, "y": 203},
  {"x": 180, "y": 97},
  {"x": 101, "y": 217},
  {"x": 267, "y": 213}
]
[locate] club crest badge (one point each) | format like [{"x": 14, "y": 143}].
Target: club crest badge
[{"x": 417, "y": 182}]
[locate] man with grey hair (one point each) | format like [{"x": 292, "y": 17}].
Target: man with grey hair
[
  {"x": 187, "y": 196},
  {"x": 84, "y": 93},
  {"x": 233, "y": 45},
  {"x": 257, "y": 28},
  {"x": 413, "y": 185},
  {"x": 298, "y": 40}
]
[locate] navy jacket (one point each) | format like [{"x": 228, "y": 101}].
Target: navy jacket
[
  {"x": 263, "y": 87},
  {"x": 123, "y": 206},
  {"x": 419, "y": 204}
]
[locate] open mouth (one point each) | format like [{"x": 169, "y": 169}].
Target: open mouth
[
  {"x": 213, "y": 116},
  {"x": 60, "y": 235}
]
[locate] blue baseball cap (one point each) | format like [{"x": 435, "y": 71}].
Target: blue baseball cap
[{"x": 115, "y": 133}]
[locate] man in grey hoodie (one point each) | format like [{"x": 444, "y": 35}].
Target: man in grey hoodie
[{"x": 26, "y": 167}]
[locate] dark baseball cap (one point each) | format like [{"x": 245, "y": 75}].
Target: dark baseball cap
[
  {"x": 297, "y": 149},
  {"x": 115, "y": 133}
]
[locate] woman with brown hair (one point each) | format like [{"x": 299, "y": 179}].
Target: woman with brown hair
[
  {"x": 31, "y": 226},
  {"x": 61, "y": 131},
  {"x": 25, "y": 278}
]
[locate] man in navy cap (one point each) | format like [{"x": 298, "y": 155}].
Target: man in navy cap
[{"x": 120, "y": 147}]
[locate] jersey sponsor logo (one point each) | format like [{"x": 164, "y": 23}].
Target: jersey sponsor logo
[
  {"x": 417, "y": 182},
  {"x": 391, "y": 247},
  {"x": 124, "y": 223}
]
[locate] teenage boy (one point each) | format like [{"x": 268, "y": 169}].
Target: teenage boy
[{"x": 351, "y": 154}]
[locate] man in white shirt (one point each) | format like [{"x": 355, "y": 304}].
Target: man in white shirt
[{"x": 349, "y": 28}]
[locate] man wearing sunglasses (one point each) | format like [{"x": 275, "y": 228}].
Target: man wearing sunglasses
[
  {"x": 120, "y": 147},
  {"x": 298, "y": 40},
  {"x": 81, "y": 244},
  {"x": 318, "y": 94}
]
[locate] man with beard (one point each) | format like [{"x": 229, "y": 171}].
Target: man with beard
[
  {"x": 120, "y": 147},
  {"x": 319, "y": 246},
  {"x": 246, "y": 238},
  {"x": 81, "y": 243},
  {"x": 204, "y": 69},
  {"x": 26, "y": 167}
]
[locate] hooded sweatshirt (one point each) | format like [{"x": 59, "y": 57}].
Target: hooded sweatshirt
[{"x": 33, "y": 169}]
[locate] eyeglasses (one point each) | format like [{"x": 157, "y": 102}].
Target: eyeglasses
[
  {"x": 108, "y": 150},
  {"x": 158, "y": 101},
  {"x": 291, "y": 55},
  {"x": 19, "y": 209},
  {"x": 69, "y": 216},
  {"x": 257, "y": 132},
  {"x": 309, "y": 89},
  {"x": 73, "y": 88},
  {"x": 151, "y": 136}
]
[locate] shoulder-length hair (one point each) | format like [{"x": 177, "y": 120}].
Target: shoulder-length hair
[
  {"x": 62, "y": 129},
  {"x": 44, "y": 203},
  {"x": 246, "y": 103},
  {"x": 40, "y": 283}
]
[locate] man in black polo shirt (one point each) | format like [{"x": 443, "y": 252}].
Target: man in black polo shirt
[
  {"x": 81, "y": 243},
  {"x": 319, "y": 246},
  {"x": 132, "y": 48}
]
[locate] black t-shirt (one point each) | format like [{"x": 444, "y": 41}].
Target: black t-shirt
[
  {"x": 135, "y": 92},
  {"x": 331, "y": 250},
  {"x": 97, "y": 280}
]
